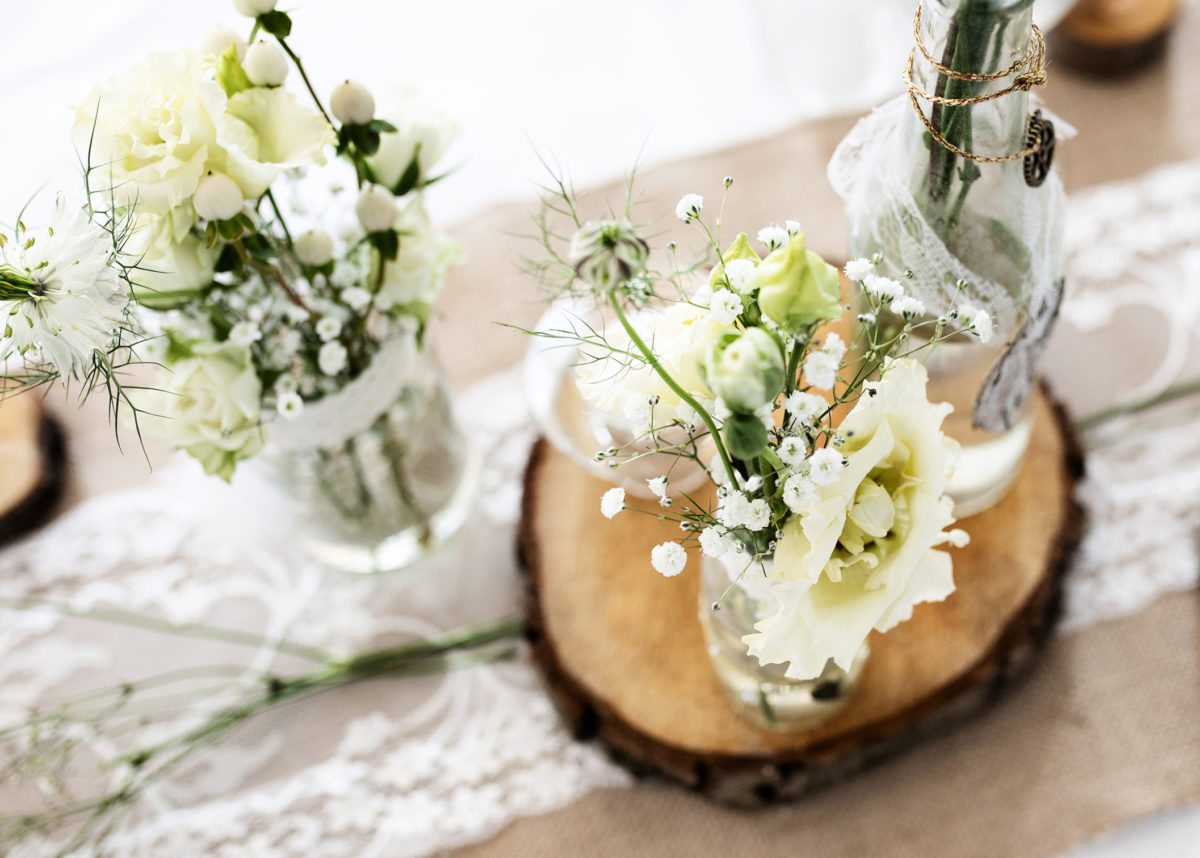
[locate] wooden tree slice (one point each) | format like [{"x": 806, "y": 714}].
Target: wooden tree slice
[
  {"x": 622, "y": 651},
  {"x": 32, "y": 465}
]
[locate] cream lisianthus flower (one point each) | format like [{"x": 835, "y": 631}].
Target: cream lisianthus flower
[
  {"x": 210, "y": 407},
  {"x": 422, "y": 131},
  {"x": 60, "y": 296},
  {"x": 167, "y": 264},
  {"x": 861, "y": 551},
  {"x": 156, "y": 129},
  {"x": 426, "y": 254}
]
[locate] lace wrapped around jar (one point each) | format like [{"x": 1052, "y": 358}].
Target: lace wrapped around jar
[
  {"x": 953, "y": 221},
  {"x": 379, "y": 473}
]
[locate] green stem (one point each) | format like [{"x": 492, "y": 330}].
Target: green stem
[
  {"x": 1177, "y": 391},
  {"x": 279, "y": 217},
  {"x": 304, "y": 76},
  {"x": 651, "y": 359}
]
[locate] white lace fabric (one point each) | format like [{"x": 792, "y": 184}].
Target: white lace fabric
[{"x": 409, "y": 766}]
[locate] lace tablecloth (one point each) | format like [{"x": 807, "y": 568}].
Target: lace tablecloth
[{"x": 404, "y": 767}]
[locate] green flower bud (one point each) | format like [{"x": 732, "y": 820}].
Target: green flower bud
[
  {"x": 745, "y": 369},
  {"x": 739, "y": 250},
  {"x": 796, "y": 287},
  {"x": 607, "y": 254}
]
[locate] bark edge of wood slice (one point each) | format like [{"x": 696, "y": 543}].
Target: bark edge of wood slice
[
  {"x": 623, "y": 656},
  {"x": 33, "y": 465}
]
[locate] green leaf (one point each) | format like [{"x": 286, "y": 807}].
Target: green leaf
[
  {"x": 745, "y": 435},
  {"x": 228, "y": 260},
  {"x": 230, "y": 74},
  {"x": 276, "y": 23},
  {"x": 387, "y": 243},
  {"x": 369, "y": 144},
  {"x": 382, "y": 126},
  {"x": 230, "y": 230},
  {"x": 411, "y": 175}
]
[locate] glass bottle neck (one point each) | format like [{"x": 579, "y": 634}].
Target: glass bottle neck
[{"x": 978, "y": 37}]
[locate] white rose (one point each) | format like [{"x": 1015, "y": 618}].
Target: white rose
[
  {"x": 862, "y": 555},
  {"x": 421, "y": 129},
  {"x": 168, "y": 263},
  {"x": 419, "y": 269},
  {"x": 210, "y": 407},
  {"x": 160, "y": 126}
]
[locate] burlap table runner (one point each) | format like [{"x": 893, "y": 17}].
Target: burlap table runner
[{"x": 1106, "y": 729}]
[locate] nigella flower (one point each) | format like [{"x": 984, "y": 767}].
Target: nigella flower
[
  {"x": 60, "y": 294},
  {"x": 607, "y": 254}
]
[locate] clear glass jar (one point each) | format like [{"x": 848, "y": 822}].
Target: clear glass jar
[
  {"x": 380, "y": 473},
  {"x": 732, "y": 600},
  {"x": 989, "y": 222}
]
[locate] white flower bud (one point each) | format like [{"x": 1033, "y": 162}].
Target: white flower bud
[
  {"x": 218, "y": 41},
  {"x": 254, "y": 8},
  {"x": 265, "y": 64},
  {"x": 217, "y": 197},
  {"x": 314, "y": 247},
  {"x": 376, "y": 208},
  {"x": 352, "y": 103}
]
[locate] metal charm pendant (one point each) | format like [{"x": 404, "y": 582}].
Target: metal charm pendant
[{"x": 1039, "y": 135}]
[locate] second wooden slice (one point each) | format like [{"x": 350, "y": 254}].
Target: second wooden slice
[{"x": 623, "y": 653}]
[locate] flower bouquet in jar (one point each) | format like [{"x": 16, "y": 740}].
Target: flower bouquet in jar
[
  {"x": 829, "y": 514},
  {"x": 272, "y": 256}
]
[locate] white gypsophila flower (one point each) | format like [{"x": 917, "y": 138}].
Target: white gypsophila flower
[
  {"x": 376, "y": 208},
  {"x": 725, "y": 307},
  {"x": 792, "y": 451},
  {"x": 332, "y": 358},
  {"x": 862, "y": 554},
  {"x": 658, "y": 485},
  {"x": 423, "y": 133},
  {"x": 804, "y": 406},
  {"x": 757, "y": 515},
  {"x": 217, "y": 197},
  {"x": 209, "y": 406},
  {"x": 245, "y": 334},
  {"x": 732, "y": 510},
  {"x": 859, "y": 269},
  {"x": 356, "y": 298},
  {"x": 290, "y": 342},
  {"x": 612, "y": 502},
  {"x": 716, "y": 469},
  {"x": 328, "y": 328},
  {"x": 883, "y": 288},
  {"x": 668, "y": 559},
  {"x": 798, "y": 493},
  {"x": 793, "y": 227},
  {"x": 834, "y": 346},
  {"x": 687, "y": 415},
  {"x": 981, "y": 324},
  {"x": 825, "y": 466},
  {"x": 820, "y": 368},
  {"x": 714, "y": 543},
  {"x": 289, "y": 405},
  {"x": 689, "y": 206},
  {"x": 314, "y": 247},
  {"x": 751, "y": 485},
  {"x": 737, "y": 272},
  {"x": 254, "y": 8},
  {"x": 160, "y": 126},
  {"x": 286, "y": 384},
  {"x": 70, "y": 301},
  {"x": 639, "y": 414},
  {"x": 265, "y": 64},
  {"x": 774, "y": 237},
  {"x": 351, "y": 103},
  {"x": 218, "y": 41},
  {"x": 908, "y": 307}
]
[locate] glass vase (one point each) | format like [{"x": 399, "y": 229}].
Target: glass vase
[
  {"x": 380, "y": 473},
  {"x": 732, "y": 599},
  {"x": 974, "y": 234}
]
